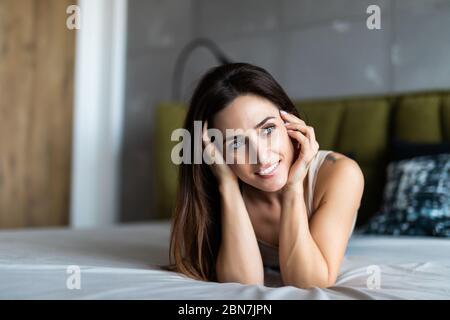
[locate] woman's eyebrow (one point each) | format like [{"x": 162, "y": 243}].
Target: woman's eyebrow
[
  {"x": 263, "y": 121},
  {"x": 257, "y": 126}
]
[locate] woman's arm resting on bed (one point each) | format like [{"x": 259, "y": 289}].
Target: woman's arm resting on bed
[
  {"x": 311, "y": 252},
  {"x": 239, "y": 257}
]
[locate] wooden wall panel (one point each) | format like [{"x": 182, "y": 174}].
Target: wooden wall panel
[{"x": 36, "y": 110}]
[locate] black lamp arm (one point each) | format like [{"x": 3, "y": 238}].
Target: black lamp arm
[{"x": 182, "y": 58}]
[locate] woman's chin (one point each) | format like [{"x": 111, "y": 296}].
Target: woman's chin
[{"x": 272, "y": 186}]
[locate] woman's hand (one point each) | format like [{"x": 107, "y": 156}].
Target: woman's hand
[
  {"x": 221, "y": 170},
  {"x": 304, "y": 135}
]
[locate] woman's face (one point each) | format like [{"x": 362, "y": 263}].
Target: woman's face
[{"x": 260, "y": 149}]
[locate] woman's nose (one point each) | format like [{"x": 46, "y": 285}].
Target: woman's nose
[
  {"x": 255, "y": 154},
  {"x": 262, "y": 151},
  {"x": 263, "y": 155}
]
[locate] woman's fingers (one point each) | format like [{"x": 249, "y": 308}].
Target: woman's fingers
[
  {"x": 295, "y": 123},
  {"x": 308, "y": 149},
  {"x": 308, "y": 131},
  {"x": 214, "y": 157},
  {"x": 210, "y": 149},
  {"x": 305, "y": 135},
  {"x": 301, "y": 127},
  {"x": 298, "y": 136},
  {"x": 205, "y": 137},
  {"x": 291, "y": 118},
  {"x": 213, "y": 154},
  {"x": 304, "y": 140}
]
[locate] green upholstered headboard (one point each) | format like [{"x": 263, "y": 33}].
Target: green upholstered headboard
[{"x": 359, "y": 127}]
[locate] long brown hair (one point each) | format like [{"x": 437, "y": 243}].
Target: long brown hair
[{"x": 196, "y": 227}]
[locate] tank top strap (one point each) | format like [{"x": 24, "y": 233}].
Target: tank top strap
[{"x": 313, "y": 170}]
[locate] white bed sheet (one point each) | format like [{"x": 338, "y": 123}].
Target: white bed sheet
[{"x": 121, "y": 263}]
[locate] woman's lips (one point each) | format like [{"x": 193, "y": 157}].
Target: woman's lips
[{"x": 269, "y": 171}]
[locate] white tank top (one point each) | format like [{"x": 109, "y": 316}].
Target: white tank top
[{"x": 269, "y": 252}]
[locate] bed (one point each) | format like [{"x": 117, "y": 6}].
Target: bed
[{"x": 122, "y": 262}]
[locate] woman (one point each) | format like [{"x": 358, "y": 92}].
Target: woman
[{"x": 293, "y": 209}]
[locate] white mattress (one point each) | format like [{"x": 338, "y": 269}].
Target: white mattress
[{"x": 121, "y": 263}]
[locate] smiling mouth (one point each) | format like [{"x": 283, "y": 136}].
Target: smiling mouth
[{"x": 269, "y": 170}]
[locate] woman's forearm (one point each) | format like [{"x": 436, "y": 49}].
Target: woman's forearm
[
  {"x": 239, "y": 258},
  {"x": 301, "y": 261}
]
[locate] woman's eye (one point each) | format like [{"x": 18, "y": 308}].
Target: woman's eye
[
  {"x": 269, "y": 130},
  {"x": 237, "y": 143}
]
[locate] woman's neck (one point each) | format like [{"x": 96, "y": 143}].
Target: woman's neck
[{"x": 253, "y": 194}]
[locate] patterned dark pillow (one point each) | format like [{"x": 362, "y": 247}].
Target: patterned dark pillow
[{"x": 416, "y": 198}]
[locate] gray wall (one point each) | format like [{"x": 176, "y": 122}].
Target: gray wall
[{"x": 313, "y": 48}]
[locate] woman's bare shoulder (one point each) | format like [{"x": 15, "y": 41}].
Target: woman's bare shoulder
[
  {"x": 332, "y": 157},
  {"x": 328, "y": 165},
  {"x": 334, "y": 164}
]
